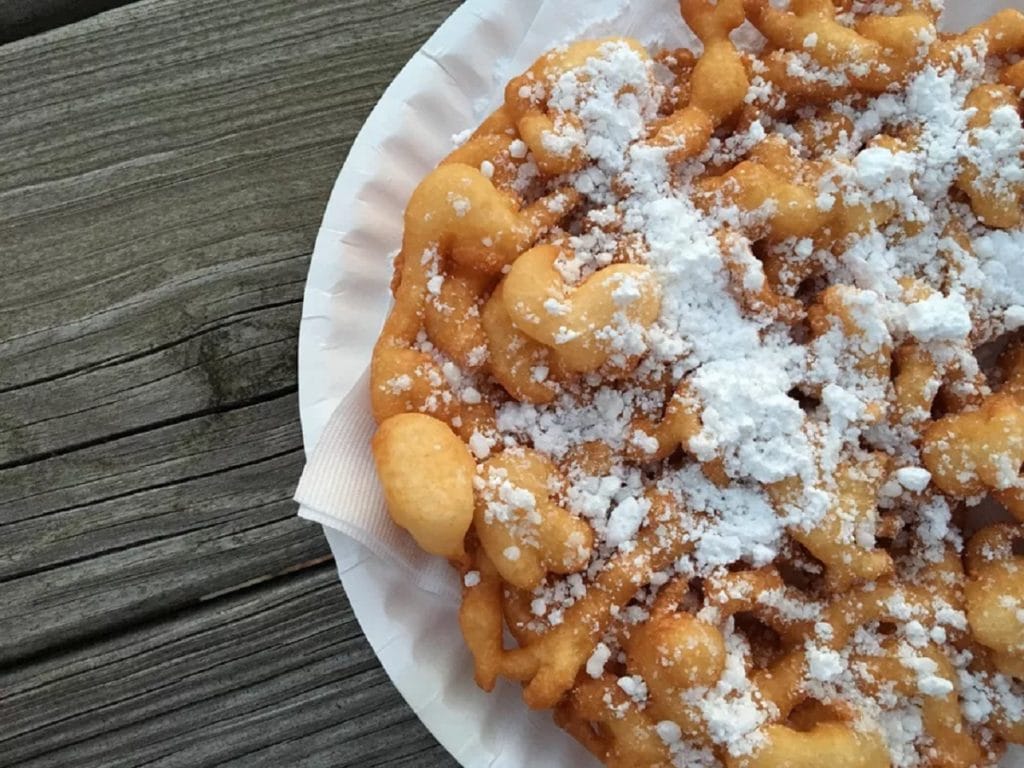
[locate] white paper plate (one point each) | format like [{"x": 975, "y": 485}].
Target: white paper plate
[{"x": 448, "y": 86}]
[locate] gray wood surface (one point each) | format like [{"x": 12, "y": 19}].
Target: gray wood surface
[
  {"x": 163, "y": 170},
  {"x": 276, "y": 676}
]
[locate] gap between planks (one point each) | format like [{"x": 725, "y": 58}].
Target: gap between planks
[{"x": 22, "y": 18}]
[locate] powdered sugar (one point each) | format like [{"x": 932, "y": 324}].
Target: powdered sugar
[
  {"x": 597, "y": 661},
  {"x": 625, "y": 520},
  {"x": 730, "y": 710},
  {"x": 913, "y": 478},
  {"x": 939, "y": 318},
  {"x": 775, "y": 400}
]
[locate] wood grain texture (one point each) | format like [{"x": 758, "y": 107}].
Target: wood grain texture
[
  {"x": 277, "y": 677},
  {"x": 185, "y": 199},
  {"x": 181, "y": 512},
  {"x": 163, "y": 170}
]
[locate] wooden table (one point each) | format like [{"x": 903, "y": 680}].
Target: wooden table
[{"x": 163, "y": 169}]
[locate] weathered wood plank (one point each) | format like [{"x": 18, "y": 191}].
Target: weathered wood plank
[
  {"x": 154, "y": 258},
  {"x": 211, "y": 509},
  {"x": 21, "y": 18},
  {"x": 279, "y": 676},
  {"x": 115, "y": 471},
  {"x": 188, "y": 194},
  {"x": 176, "y": 300},
  {"x": 163, "y": 169}
]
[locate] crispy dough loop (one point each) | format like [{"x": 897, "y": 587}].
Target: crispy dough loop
[
  {"x": 457, "y": 215},
  {"x": 551, "y": 664},
  {"x": 555, "y": 137},
  {"x": 1011, "y": 364},
  {"x": 768, "y": 186},
  {"x": 573, "y": 321},
  {"x": 490, "y": 149},
  {"x": 481, "y": 619},
  {"x": 758, "y": 295},
  {"x": 460, "y": 231},
  {"x": 679, "y": 424},
  {"x": 846, "y": 747},
  {"x": 973, "y": 452},
  {"x": 452, "y": 318},
  {"x": 523, "y": 530},
  {"x": 994, "y": 594},
  {"x": 838, "y": 540},
  {"x": 915, "y": 385},
  {"x": 878, "y": 52},
  {"x": 941, "y": 715},
  {"x": 718, "y": 84},
  {"x": 996, "y": 201},
  {"x": 600, "y": 715},
  {"x": 759, "y": 592},
  {"x": 409, "y": 449},
  {"x": 527, "y": 369}
]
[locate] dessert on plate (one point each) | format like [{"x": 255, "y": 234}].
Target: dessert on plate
[{"x": 705, "y": 371}]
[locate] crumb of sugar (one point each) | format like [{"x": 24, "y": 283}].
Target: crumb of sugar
[
  {"x": 461, "y": 205},
  {"x": 625, "y": 520},
  {"x": 824, "y": 664},
  {"x": 1013, "y": 316},
  {"x": 914, "y": 478},
  {"x": 481, "y": 445},
  {"x": 598, "y": 659},
  {"x": 398, "y": 384},
  {"x": 462, "y": 137},
  {"x": 669, "y": 732},
  {"x": 434, "y": 285},
  {"x": 634, "y": 687},
  {"x": 939, "y": 318}
]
